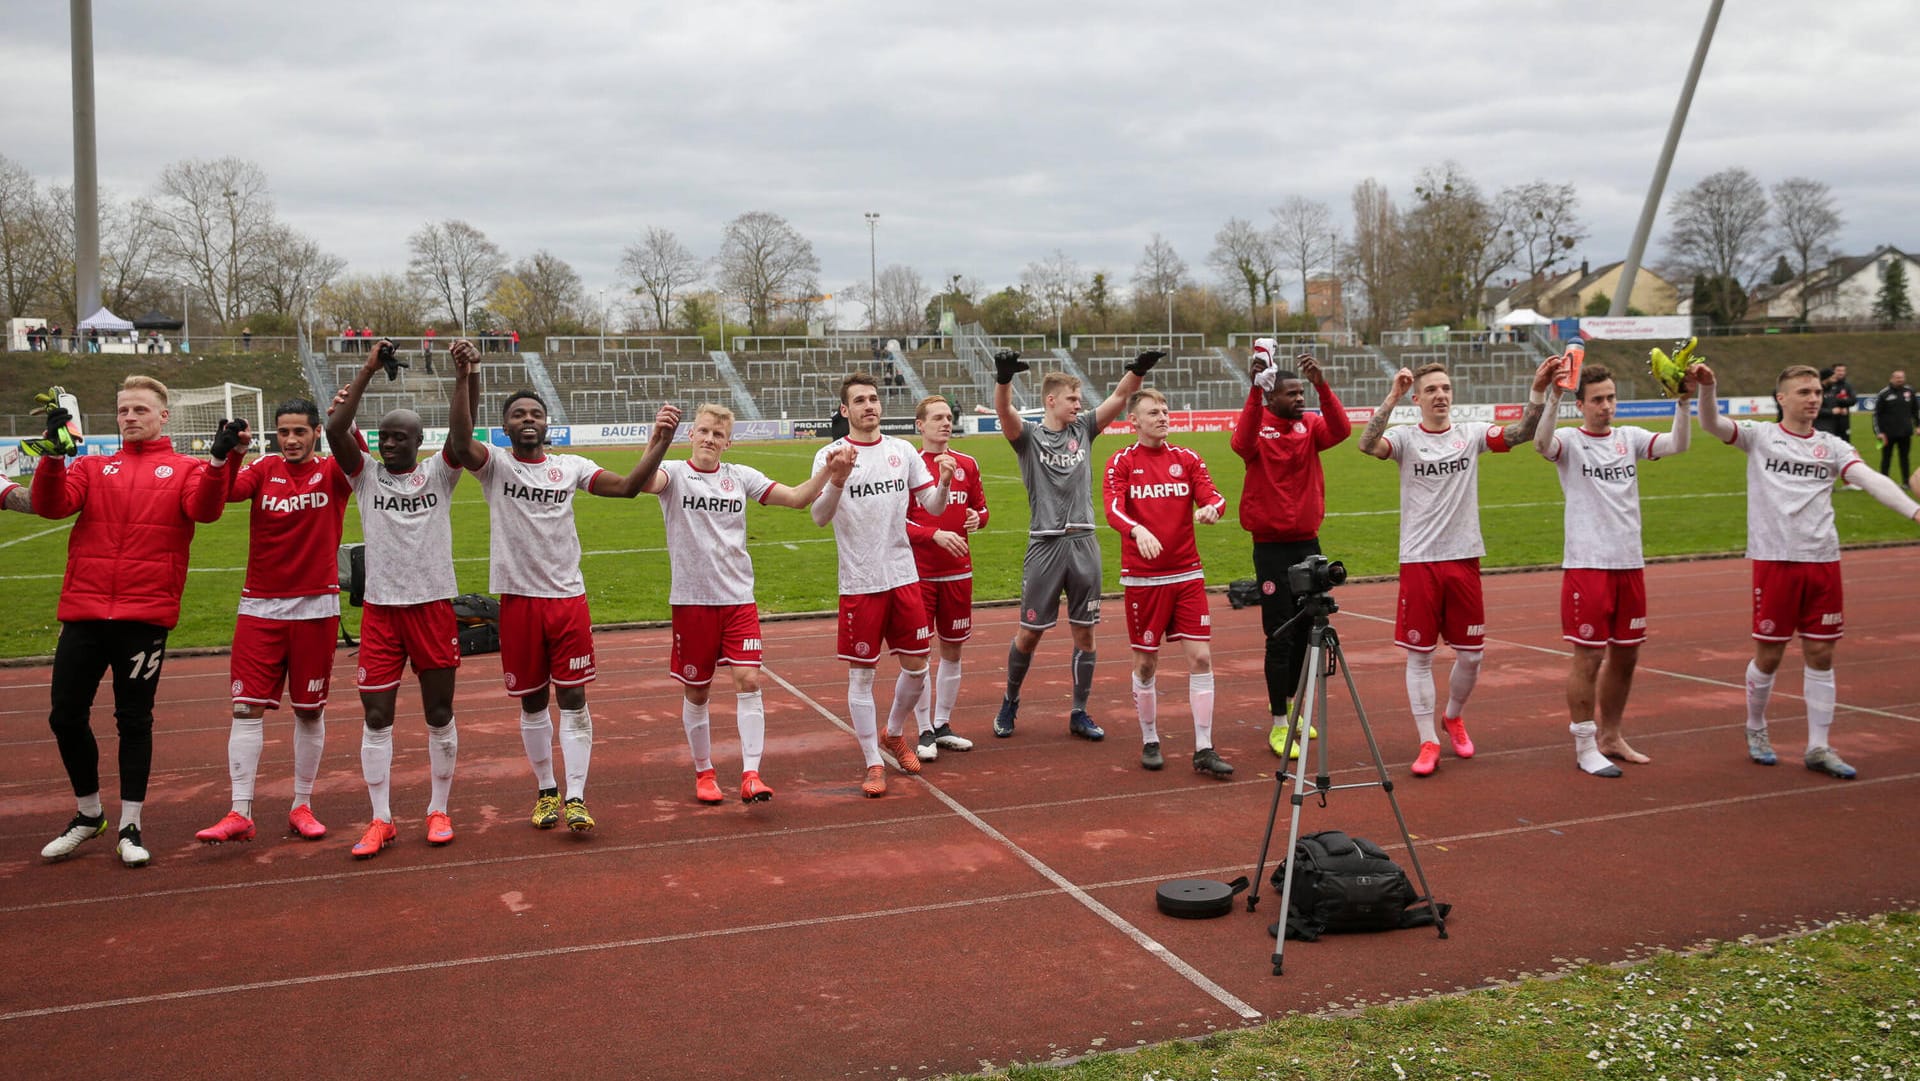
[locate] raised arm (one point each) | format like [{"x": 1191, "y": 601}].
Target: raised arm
[
  {"x": 1711, "y": 422},
  {"x": 1521, "y": 431},
  {"x": 1669, "y": 443},
  {"x": 466, "y": 388},
  {"x": 665, "y": 424},
  {"x": 346, "y": 408},
  {"x": 1338, "y": 425},
  {"x": 1546, "y": 438},
  {"x": 836, "y": 468},
  {"x": 1007, "y": 364},
  {"x": 1371, "y": 439},
  {"x": 1882, "y": 488},
  {"x": 1116, "y": 403}
]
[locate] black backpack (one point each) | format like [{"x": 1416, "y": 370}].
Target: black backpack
[
  {"x": 479, "y": 618},
  {"x": 1346, "y": 885}
]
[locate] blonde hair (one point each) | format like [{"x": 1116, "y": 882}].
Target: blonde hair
[
  {"x": 721, "y": 412},
  {"x": 149, "y": 384},
  {"x": 929, "y": 402},
  {"x": 1145, "y": 393},
  {"x": 1057, "y": 381},
  {"x": 1797, "y": 371}
]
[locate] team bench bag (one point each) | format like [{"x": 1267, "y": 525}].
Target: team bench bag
[
  {"x": 1345, "y": 885},
  {"x": 478, "y": 615}
]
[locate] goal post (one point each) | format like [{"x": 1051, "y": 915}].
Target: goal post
[{"x": 196, "y": 413}]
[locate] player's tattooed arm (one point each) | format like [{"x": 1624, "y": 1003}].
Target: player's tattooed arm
[
  {"x": 1543, "y": 437},
  {"x": 1371, "y": 439},
  {"x": 1521, "y": 431},
  {"x": 16, "y": 499}
]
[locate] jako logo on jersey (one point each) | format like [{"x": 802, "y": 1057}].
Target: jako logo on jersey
[
  {"x": 579, "y": 664},
  {"x": 293, "y": 503},
  {"x": 163, "y": 472},
  {"x": 1158, "y": 491}
]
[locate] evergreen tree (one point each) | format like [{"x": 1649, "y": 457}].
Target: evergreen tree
[{"x": 1893, "y": 305}]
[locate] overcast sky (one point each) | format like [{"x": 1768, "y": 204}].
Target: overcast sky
[{"x": 984, "y": 134}]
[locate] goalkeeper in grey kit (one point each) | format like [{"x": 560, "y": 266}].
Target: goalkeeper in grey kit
[{"x": 1063, "y": 551}]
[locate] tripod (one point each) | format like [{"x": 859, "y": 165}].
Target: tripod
[{"x": 1309, "y": 706}]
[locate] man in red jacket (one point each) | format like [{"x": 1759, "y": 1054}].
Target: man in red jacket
[
  {"x": 1283, "y": 502},
  {"x": 945, "y": 559},
  {"x": 126, "y": 567}
]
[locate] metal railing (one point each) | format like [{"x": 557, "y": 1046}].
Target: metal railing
[
  {"x": 568, "y": 345},
  {"x": 1138, "y": 342},
  {"x": 1293, "y": 340}
]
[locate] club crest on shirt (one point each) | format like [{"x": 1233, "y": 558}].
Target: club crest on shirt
[
  {"x": 959, "y": 474},
  {"x": 1176, "y": 470},
  {"x": 1299, "y": 428},
  {"x": 553, "y": 475},
  {"x": 862, "y": 648},
  {"x": 417, "y": 481},
  {"x": 1586, "y": 631},
  {"x": 893, "y": 461},
  {"x": 1620, "y": 447},
  {"x": 1147, "y": 637},
  {"x": 163, "y": 472},
  {"x": 1766, "y": 626},
  {"x": 689, "y": 671},
  {"x": 313, "y": 480},
  {"x": 1458, "y": 444},
  {"x": 726, "y": 484},
  {"x": 1413, "y": 638},
  {"x": 1819, "y": 451},
  {"x": 1073, "y": 445}
]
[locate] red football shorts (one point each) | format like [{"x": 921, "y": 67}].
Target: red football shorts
[
  {"x": 1440, "y": 600},
  {"x": 269, "y": 653},
  {"x": 545, "y": 640},
  {"x": 950, "y": 606},
  {"x": 706, "y": 635},
  {"x": 1165, "y": 613},
  {"x": 1603, "y": 607},
  {"x": 394, "y": 635},
  {"x": 1803, "y": 597},
  {"x": 898, "y": 616}
]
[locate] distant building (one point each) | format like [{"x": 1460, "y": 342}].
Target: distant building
[
  {"x": 1567, "y": 295},
  {"x": 1843, "y": 291}
]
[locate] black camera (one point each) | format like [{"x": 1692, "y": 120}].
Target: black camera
[{"x": 1315, "y": 574}]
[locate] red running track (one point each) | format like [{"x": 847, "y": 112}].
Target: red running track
[{"x": 998, "y": 909}]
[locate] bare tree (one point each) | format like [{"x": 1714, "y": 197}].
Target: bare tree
[
  {"x": 659, "y": 266},
  {"x": 764, "y": 261},
  {"x": 1544, "y": 221},
  {"x": 1245, "y": 258},
  {"x": 457, "y": 265},
  {"x": 903, "y": 299},
  {"x": 28, "y": 259},
  {"x": 294, "y": 271},
  {"x": 134, "y": 267},
  {"x": 1456, "y": 241},
  {"x": 388, "y": 302},
  {"x": 1160, "y": 271},
  {"x": 1304, "y": 235},
  {"x": 215, "y": 219},
  {"x": 1720, "y": 233},
  {"x": 540, "y": 295},
  {"x": 1053, "y": 283},
  {"x": 1375, "y": 259},
  {"x": 1807, "y": 222}
]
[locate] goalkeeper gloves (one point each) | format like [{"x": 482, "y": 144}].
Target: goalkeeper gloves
[
  {"x": 62, "y": 436},
  {"x": 1671, "y": 371},
  {"x": 1007, "y": 364},
  {"x": 1144, "y": 363},
  {"x": 227, "y": 438},
  {"x": 391, "y": 361}
]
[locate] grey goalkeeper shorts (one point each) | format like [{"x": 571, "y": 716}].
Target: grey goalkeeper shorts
[{"x": 1068, "y": 563}]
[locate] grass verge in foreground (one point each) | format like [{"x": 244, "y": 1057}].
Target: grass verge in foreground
[{"x": 1843, "y": 1002}]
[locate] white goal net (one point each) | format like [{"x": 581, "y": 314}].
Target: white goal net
[{"x": 197, "y": 412}]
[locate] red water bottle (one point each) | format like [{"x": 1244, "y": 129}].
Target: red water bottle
[{"x": 1576, "y": 352}]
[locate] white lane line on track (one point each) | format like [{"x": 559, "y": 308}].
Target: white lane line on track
[
  {"x": 1140, "y": 938},
  {"x": 1687, "y": 676}
]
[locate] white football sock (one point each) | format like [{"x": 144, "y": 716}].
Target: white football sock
[
  {"x": 946, "y": 691},
  {"x": 249, "y": 734},
  {"x": 1146, "y": 704},
  {"x": 1200, "y": 697},
  {"x": 860, "y": 711},
  {"x": 536, "y": 735},
  {"x": 1420, "y": 693},
  {"x": 1586, "y": 748},
  {"x": 1759, "y": 690},
  {"x": 130, "y": 813},
  {"x": 698, "y": 725},
  {"x": 751, "y": 717},
  {"x": 1820, "y": 692},
  {"x": 908, "y": 690},
  {"x": 923, "y": 709},
  {"x": 1466, "y": 673},
  {"x": 376, "y": 766},
  {"x": 443, "y": 750},
  {"x": 309, "y": 741},
  {"x": 90, "y": 805},
  {"x": 576, "y": 748}
]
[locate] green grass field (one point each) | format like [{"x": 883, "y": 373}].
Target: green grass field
[{"x": 1693, "y": 504}]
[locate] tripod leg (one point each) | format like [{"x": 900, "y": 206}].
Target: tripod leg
[
  {"x": 1312, "y": 698},
  {"x": 1386, "y": 784},
  {"x": 1273, "y": 815}
]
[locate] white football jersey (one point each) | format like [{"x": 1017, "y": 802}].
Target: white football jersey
[
  {"x": 1790, "y": 492},
  {"x": 1600, "y": 475},
  {"x": 870, "y": 525},
  {"x": 407, "y": 521},
  {"x": 706, "y": 516},
  {"x": 1440, "y": 489},
  {"x": 535, "y": 551}
]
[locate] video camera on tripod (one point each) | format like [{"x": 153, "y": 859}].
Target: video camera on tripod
[{"x": 1311, "y": 581}]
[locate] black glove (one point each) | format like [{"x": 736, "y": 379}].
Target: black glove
[
  {"x": 1144, "y": 363},
  {"x": 57, "y": 421},
  {"x": 227, "y": 438},
  {"x": 391, "y": 361},
  {"x": 1007, "y": 364}
]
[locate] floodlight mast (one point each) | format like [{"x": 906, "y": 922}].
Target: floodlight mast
[
  {"x": 86, "y": 172},
  {"x": 1628, "y": 271}
]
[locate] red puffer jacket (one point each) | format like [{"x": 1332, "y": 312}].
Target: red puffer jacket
[{"x": 127, "y": 557}]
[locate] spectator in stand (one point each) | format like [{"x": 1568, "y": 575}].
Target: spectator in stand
[
  {"x": 515, "y": 336},
  {"x": 426, "y": 349},
  {"x": 246, "y": 338},
  {"x": 1896, "y": 411},
  {"x": 366, "y": 339}
]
